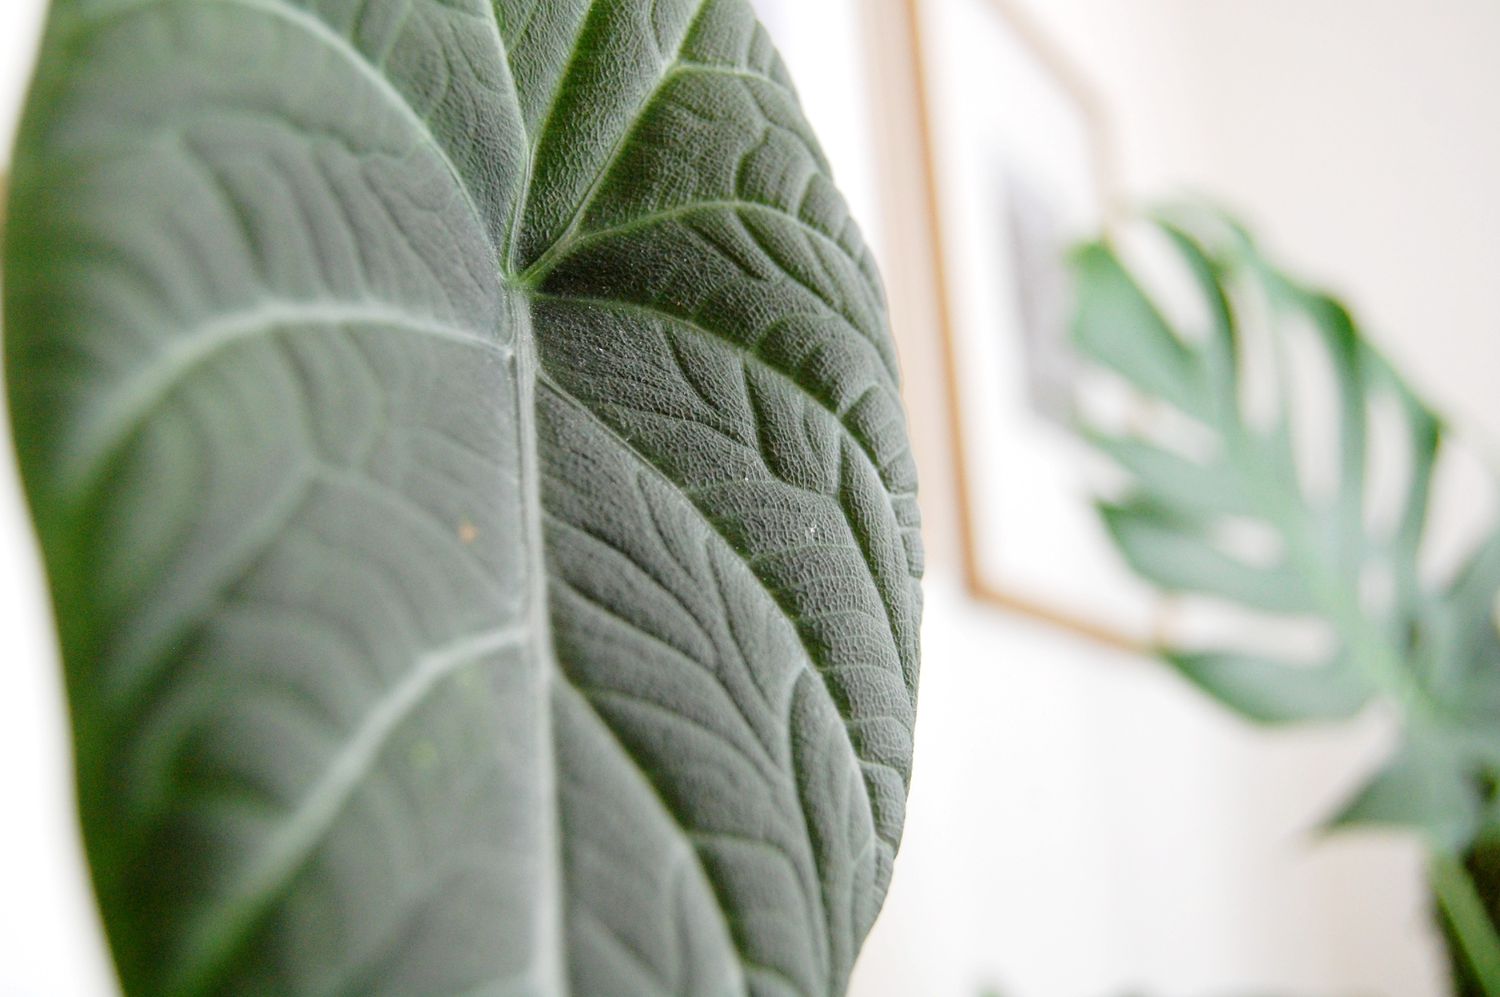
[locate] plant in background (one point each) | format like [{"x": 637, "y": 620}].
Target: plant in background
[
  {"x": 465, "y": 444},
  {"x": 1225, "y": 475}
]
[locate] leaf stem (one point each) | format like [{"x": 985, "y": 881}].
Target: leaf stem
[{"x": 1466, "y": 913}]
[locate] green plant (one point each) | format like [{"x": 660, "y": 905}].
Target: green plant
[
  {"x": 465, "y": 444},
  {"x": 1429, "y": 647}
]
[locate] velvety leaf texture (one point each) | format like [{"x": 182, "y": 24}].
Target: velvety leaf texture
[{"x": 465, "y": 442}]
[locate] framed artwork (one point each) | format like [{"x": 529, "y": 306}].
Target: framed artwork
[{"x": 1018, "y": 169}]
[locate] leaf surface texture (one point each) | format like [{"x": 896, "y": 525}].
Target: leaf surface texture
[{"x": 465, "y": 442}]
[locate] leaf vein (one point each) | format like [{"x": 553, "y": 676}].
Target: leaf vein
[{"x": 295, "y": 842}]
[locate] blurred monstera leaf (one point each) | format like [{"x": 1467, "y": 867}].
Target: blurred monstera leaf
[
  {"x": 1223, "y": 470},
  {"x": 465, "y": 443}
]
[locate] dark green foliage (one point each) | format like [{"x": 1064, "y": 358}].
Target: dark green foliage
[{"x": 465, "y": 441}]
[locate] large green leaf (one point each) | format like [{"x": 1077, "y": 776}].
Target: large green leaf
[
  {"x": 465, "y": 441},
  {"x": 1429, "y": 646}
]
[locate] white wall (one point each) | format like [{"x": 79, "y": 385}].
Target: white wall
[{"x": 1081, "y": 824}]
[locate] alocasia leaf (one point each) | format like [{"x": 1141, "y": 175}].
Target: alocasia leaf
[
  {"x": 465, "y": 442},
  {"x": 1432, "y": 649}
]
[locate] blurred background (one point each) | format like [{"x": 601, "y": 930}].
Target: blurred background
[{"x": 1081, "y": 822}]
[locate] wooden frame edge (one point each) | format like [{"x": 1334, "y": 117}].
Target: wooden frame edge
[{"x": 975, "y": 584}]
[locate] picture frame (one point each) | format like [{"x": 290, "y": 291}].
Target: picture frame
[{"x": 1019, "y": 165}]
